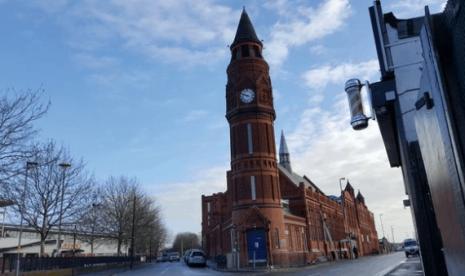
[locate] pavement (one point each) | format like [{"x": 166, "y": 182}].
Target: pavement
[
  {"x": 394, "y": 264},
  {"x": 410, "y": 267}
]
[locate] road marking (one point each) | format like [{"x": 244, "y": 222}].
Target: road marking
[
  {"x": 164, "y": 270},
  {"x": 387, "y": 270}
]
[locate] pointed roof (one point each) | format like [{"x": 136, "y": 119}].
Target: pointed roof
[
  {"x": 245, "y": 30},
  {"x": 360, "y": 197},
  {"x": 283, "y": 145},
  {"x": 349, "y": 187}
]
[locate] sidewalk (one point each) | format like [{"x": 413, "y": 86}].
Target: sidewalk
[{"x": 410, "y": 267}]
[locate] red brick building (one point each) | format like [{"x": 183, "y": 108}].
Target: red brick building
[{"x": 270, "y": 215}]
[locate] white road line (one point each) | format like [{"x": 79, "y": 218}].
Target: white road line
[
  {"x": 387, "y": 270},
  {"x": 164, "y": 270}
]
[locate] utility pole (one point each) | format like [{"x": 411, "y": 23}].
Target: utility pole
[
  {"x": 381, "y": 220},
  {"x": 64, "y": 166},
  {"x": 182, "y": 245},
  {"x": 392, "y": 232},
  {"x": 74, "y": 240},
  {"x": 132, "y": 230},
  {"x": 21, "y": 209}
]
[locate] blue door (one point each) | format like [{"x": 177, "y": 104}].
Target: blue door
[{"x": 256, "y": 246}]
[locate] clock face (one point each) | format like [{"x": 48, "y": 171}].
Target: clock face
[{"x": 247, "y": 95}]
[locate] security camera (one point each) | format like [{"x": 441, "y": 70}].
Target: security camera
[{"x": 353, "y": 89}]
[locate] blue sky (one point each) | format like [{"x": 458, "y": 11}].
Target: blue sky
[{"x": 138, "y": 89}]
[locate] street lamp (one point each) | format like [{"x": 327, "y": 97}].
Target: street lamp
[
  {"x": 21, "y": 206},
  {"x": 381, "y": 220},
  {"x": 382, "y": 229},
  {"x": 94, "y": 205},
  {"x": 63, "y": 166},
  {"x": 343, "y": 211},
  {"x": 133, "y": 230}
]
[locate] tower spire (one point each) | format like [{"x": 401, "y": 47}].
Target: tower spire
[
  {"x": 245, "y": 30},
  {"x": 284, "y": 158}
]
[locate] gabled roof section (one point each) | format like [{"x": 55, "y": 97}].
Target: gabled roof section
[
  {"x": 360, "y": 197},
  {"x": 245, "y": 31},
  {"x": 349, "y": 187},
  {"x": 297, "y": 179}
]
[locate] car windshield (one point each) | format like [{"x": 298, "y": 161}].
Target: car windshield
[
  {"x": 197, "y": 254},
  {"x": 410, "y": 243}
]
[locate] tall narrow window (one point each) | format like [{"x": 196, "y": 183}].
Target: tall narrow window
[
  {"x": 252, "y": 187},
  {"x": 276, "y": 238},
  {"x": 249, "y": 138},
  {"x": 245, "y": 50},
  {"x": 208, "y": 207}
]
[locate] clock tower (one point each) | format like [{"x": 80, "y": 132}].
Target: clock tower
[{"x": 253, "y": 180}]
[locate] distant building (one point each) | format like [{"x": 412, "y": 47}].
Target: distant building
[
  {"x": 269, "y": 215},
  {"x": 30, "y": 243}
]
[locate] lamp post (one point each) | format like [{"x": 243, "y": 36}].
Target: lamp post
[
  {"x": 94, "y": 205},
  {"x": 381, "y": 220},
  {"x": 343, "y": 211},
  {"x": 133, "y": 230},
  {"x": 21, "y": 210},
  {"x": 63, "y": 166},
  {"x": 382, "y": 229}
]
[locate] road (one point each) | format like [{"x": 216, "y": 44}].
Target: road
[{"x": 365, "y": 266}]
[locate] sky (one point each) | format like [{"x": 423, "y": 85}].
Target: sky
[{"x": 138, "y": 88}]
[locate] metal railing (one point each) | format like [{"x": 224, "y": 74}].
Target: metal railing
[{"x": 8, "y": 263}]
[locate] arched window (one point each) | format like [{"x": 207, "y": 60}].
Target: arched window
[{"x": 245, "y": 50}]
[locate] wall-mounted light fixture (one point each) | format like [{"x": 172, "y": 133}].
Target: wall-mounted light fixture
[{"x": 353, "y": 89}]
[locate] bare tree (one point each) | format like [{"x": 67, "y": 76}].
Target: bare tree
[
  {"x": 17, "y": 115},
  {"x": 91, "y": 223},
  {"x": 52, "y": 191},
  {"x": 118, "y": 197},
  {"x": 184, "y": 241}
]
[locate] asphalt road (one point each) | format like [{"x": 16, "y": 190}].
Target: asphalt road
[{"x": 365, "y": 266}]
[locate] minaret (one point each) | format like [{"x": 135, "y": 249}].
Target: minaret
[
  {"x": 253, "y": 180},
  {"x": 284, "y": 159}
]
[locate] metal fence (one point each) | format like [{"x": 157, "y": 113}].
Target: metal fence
[{"x": 8, "y": 263}]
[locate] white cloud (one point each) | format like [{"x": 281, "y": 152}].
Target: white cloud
[
  {"x": 181, "y": 201},
  {"x": 324, "y": 147},
  {"x": 412, "y": 8},
  {"x": 95, "y": 62},
  {"x": 307, "y": 24},
  {"x": 318, "y": 49},
  {"x": 320, "y": 77},
  {"x": 183, "y": 32},
  {"x": 194, "y": 115}
]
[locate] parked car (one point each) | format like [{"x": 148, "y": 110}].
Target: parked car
[
  {"x": 196, "y": 257},
  {"x": 186, "y": 255},
  {"x": 163, "y": 258},
  {"x": 411, "y": 248},
  {"x": 174, "y": 257}
]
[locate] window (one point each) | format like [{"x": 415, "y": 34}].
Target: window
[
  {"x": 257, "y": 52},
  {"x": 208, "y": 207},
  {"x": 245, "y": 50},
  {"x": 276, "y": 238},
  {"x": 252, "y": 187},
  {"x": 249, "y": 138},
  {"x": 234, "y": 54},
  {"x": 304, "y": 239}
]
